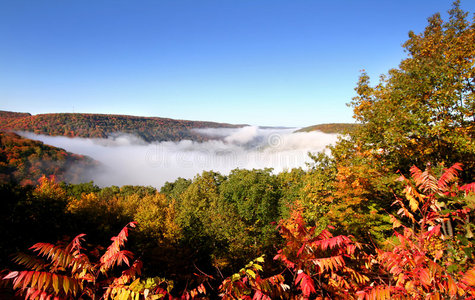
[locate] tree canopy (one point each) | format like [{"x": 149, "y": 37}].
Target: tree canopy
[{"x": 423, "y": 111}]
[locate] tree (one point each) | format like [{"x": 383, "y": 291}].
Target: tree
[
  {"x": 427, "y": 260},
  {"x": 201, "y": 218},
  {"x": 424, "y": 110},
  {"x": 174, "y": 189},
  {"x": 254, "y": 195},
  {"x": 351, "y": 192}
]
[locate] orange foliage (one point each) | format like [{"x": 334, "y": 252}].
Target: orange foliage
[
  {"x": 322, "y": 265},
  {"x": 418, "y": 266}
]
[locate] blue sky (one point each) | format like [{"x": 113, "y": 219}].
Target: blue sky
[{"x": 260, "y": 62}]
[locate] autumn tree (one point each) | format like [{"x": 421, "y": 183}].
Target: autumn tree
[
  {"x": 423, "y": 111},
  {"x": 420, "y": 112},
  {"x": 431, "y": 256},
  {"x": 351, "y": 191}
]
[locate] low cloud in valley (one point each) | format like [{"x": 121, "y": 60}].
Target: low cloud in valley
[{"x": 127, "y": 159}]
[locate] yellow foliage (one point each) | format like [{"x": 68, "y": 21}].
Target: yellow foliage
[
  {"x": 49, "y": 188},
  {"x": 156, "y": 218}
]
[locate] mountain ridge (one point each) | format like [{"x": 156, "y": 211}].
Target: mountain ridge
[
  {"x": 88, "y": 125},
  {"x": 341, "y": 128}
]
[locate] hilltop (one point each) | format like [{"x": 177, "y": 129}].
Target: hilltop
[
  {"x": 104, "y": 125},
  {"x": 330, "y": 128}
]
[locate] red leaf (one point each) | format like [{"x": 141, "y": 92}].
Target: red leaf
[
  {"x": 27, "y": 278},
  {"x": 470, "y": 187},
  {"x": 469, "y": 277},
  {"x": 449, "y": 174},
  {"x": 306, "y": 283}
]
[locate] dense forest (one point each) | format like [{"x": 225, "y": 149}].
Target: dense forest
[
  {"x": 9, "y": 116},
  {"x": 24, "y": 161},
  {"x": 387, "y": 213},
  {"x": 102, "y": 126}
]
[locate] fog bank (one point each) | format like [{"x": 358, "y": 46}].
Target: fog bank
[{"x": 127, "y": 159}]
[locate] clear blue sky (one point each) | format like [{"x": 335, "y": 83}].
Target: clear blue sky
[{"x": 263, "y": 62}]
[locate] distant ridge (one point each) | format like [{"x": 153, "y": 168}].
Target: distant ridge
[
  {"x": 103, "y": 125},
  {"x": 8, "y": 116},
  {"x": 341, "y": 128}
]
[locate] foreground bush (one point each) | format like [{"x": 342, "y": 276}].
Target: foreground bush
[{"x": 431, "y": 257}]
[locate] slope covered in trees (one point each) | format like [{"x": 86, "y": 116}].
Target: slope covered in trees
[
  {"x": 341, "y": 128},
  {"x": 102, "y": 126},
  {"x": 9, "y": 116},
  {"x": 25, "y": 161}
]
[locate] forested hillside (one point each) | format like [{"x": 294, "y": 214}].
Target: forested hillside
[
  {"x": 24, "y": 161},
  {"x": 386, "y": 213},
  {"x": 9, "y": 116},
  {"x": 102, "y": 126},
  {"x": 330, "y": 128}
]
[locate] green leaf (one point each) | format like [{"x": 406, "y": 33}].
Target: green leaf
[{"x": 468, "y": 251}]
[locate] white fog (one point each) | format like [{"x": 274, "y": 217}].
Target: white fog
[{"x": 128, "y": 160}]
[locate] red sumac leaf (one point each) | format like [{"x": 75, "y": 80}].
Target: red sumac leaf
[{"x": 306, "y": 283}]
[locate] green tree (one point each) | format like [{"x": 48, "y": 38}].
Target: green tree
[
  {"x": 291, "y": 184},
  {"x": 254, "y": 197},
  {"x": 255, "y": 194},
  {"x": 174, "y": 189},
  {"x": 198, "y": 216}
]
